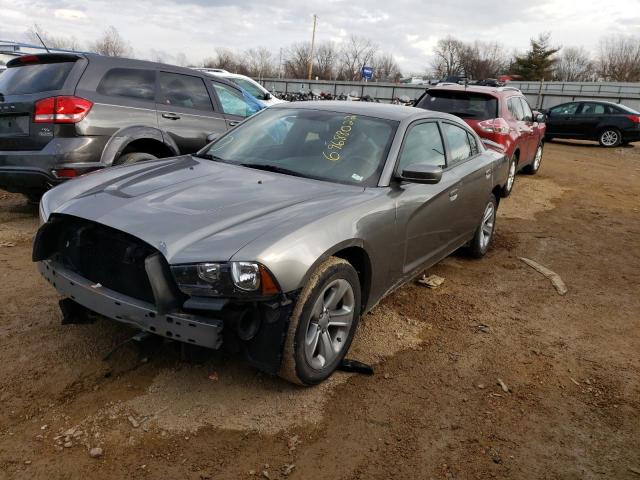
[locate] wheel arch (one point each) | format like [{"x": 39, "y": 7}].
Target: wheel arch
[{"x": 138, "y": 138}]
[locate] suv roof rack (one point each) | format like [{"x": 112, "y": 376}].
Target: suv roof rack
[{"x": 9, "y": 47}]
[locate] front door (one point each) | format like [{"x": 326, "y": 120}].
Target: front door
[
  {"x": 186, "y": 112},
  {"x": 562, "y": 120},
  {"x": 235, "y": 104}
]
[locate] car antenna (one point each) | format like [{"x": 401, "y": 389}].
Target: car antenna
[{"x": 42, "y": 42}]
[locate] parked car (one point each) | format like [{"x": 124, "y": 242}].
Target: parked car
[
  {"x": 65, "y": 114},
  {"x": 247, "y": 83},
  {"x": 499, "y": 114},
  {"x": 278, "y": 235},
  {"x": 611, "y": 124}
]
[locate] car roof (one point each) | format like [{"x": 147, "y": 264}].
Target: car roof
[
  {"x": 494, "y": 91},
  {"x": 385, "y": 111}
]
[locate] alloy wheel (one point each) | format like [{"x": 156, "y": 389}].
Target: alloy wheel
[
  {"x": 538, "y": 158},
  {"x": 609, "y": 138},
  {"x": 488, "y": 222},
  {"x": 512, "y": 175},
  {"x": 329, "y": 325}
]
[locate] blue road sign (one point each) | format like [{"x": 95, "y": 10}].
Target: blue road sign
[{"x": 367, "y": 73}]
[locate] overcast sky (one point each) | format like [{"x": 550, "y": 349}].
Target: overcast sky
[{"x": 408, "y": 29}]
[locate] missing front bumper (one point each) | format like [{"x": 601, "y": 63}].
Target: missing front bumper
[{"x": 184, "y": 327}]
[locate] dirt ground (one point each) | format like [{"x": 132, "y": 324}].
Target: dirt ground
[{"x": 433, "y": 409}]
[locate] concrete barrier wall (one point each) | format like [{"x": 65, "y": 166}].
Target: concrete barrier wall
[{"x": 545, "y": 94}]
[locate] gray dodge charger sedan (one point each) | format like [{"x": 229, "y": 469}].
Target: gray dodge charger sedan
[{"x": 274, "y": 239}]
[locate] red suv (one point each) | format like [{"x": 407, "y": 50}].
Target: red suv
[{"x": 499, "y": 114}]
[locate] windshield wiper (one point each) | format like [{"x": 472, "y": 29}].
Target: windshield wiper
[
  {"x": 272, "y": 168},
  {"x": 208, "y": 156}
]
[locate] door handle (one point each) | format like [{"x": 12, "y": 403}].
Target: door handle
[
  {"x": 487, "y": 172},
  {"x": 233, "y": 123},
  {"x": 453, "y": 194},
  {"x": 171, "y": 116}
]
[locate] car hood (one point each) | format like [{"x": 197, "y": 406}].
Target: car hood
[{"x": 192, "y": 209}]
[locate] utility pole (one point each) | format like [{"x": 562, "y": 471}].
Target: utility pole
[
  {"x": 313, "y": 42},
  {"x": 280, "y": 64}
]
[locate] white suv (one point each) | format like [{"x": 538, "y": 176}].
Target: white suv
[{"x": 254, "y": 88}]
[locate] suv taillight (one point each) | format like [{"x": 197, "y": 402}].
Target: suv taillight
[
  {"x": 634, "y": 118},
  {"x": 495, "y": 125},
  {"x": 61, "y": 110}
]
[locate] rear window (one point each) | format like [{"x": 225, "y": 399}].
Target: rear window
[
  {"x": 129, "y": 82},
  {"x": 44, "y": 77},
  {"x": 462, "y": 104}
]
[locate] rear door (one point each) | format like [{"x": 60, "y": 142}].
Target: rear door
[
  {"x": 523, "y": 128},
  {"x": 28, "y": 80},
  {"x": 186, "y": 112},
  {"x": 589, "y": 118},
  {"x": 531, "y": 138}
]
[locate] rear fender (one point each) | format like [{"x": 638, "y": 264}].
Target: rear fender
[{"x": 123, "y": 137}]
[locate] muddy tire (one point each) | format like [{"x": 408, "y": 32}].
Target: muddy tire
[
  {"x": 484, "y": 233},
  {"x": 134, "y": 157},
  {"x": 323, "y": 323}
]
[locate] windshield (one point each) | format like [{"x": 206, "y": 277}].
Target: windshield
[
  {"x": 331, "y": 146},
  {"x": 463, "y": 104},
  {"x": 249, "y": 87},
  {"x": 44, "y": 77}
]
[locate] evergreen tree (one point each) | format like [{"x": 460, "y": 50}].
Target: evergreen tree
[{"x": 537, "y": 63}]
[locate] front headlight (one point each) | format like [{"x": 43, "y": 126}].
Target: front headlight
[{"x": 224, "y": 279}]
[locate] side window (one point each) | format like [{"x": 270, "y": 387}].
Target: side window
[
  {"x": 526, "y": 109},
  {"x": 515, "y": 108},
  {"x": 592, "y": 109},
  {"x": 566, "y": 109},
  {"x": 178, "y": 90},
  {"x": 129, "y": 82},
  {"x": 474, "y": 144},
  {"x": 233, "y": 102},
  {"x": 423, "y": 146},
  {"x": 458, "y": 139}
]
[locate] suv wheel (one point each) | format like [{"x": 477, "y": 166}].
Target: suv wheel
[
  {"x": 133, "y": 157},
  {"x": 511, "y": 178},
  {"x": 323, "y": 323},
  {"x": 610, "y": 137},
  {"x": 484, "y": 233},
  {"x": 534, "y": 166}
]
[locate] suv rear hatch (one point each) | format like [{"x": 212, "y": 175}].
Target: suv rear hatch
[
  {"x": 29, "y": 84},
  {"x": 472, "y": 107}
]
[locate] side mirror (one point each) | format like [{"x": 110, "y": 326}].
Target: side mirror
[
  {"x": 420, "y": 173},
  {"x": 267, "y": 96},
  {"x": 212, "y": 136},
  {"x": 539, "y": 117}
]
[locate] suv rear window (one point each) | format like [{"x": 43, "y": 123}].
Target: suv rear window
[
  {"x": 462, "y": 104},
  {"x": 129, "y": 82},
  {"x": 36, "y": 78}
]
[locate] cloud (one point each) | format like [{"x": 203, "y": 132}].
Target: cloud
[{"x": 407, "y": 28}]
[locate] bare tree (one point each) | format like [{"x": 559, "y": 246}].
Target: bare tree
[
  {"x": 386, "y": 68},
  {"x": 356, "y": 53},
  {"x": 326, "y": 60},
  {"x": 112, "y": 44},
  {"x": 619, "y": 59},
  {"x": 159, "y": 56},
  {"x": 481, "y": 60},
  {"x": 448, "y": 57},
  {"x": 296, "y": 60},
  {"x": 51, "y": 41},
  {"x": 181, "y": 59},
  {"x": 259, "y": 62},
  {"x": 574, "y": 65},
  {"x": 223, "y": 58}
]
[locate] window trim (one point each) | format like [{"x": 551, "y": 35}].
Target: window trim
[
  {"x": 396, "y": 173},
  {"x": 448, "y": 148}
]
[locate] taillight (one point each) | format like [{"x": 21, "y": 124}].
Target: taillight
[
  {"x": 61, "y": 110},
  {"x": 28, "y": 59},
  {"x": 634, "y": 118},
  {"x": 495, "y": 125},
  {"x": 65, "y": 173}
]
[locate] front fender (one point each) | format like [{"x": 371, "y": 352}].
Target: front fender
[{"x": 123, "y": 137}]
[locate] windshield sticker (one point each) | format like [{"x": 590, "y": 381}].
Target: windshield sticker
[
  {"x": 339, "y": 140},
  {"x": 357, "y": 177}
]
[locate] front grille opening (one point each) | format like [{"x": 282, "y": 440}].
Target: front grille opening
[{"x": 104, "y": 255}]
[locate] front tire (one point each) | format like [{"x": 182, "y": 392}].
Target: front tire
[
  {"x": 484, "y": 232},
  {"x": 610, "y": 137},
  {"x": 323, "y": 323}
]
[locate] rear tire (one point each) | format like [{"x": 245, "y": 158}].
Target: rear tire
[
  {"x": 484, "y": 233},
  {"x": 323, "y": 323},
  {"x": 511, "y": 178},
  {"x": 134, "y": 157},
  {"x": 33, "y": 198},
  {"x": 534, "y": 166},
  {"x": 610, "y": 137}
]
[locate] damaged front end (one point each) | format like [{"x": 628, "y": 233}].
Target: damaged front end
[{"x": 123, "y": 278}]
